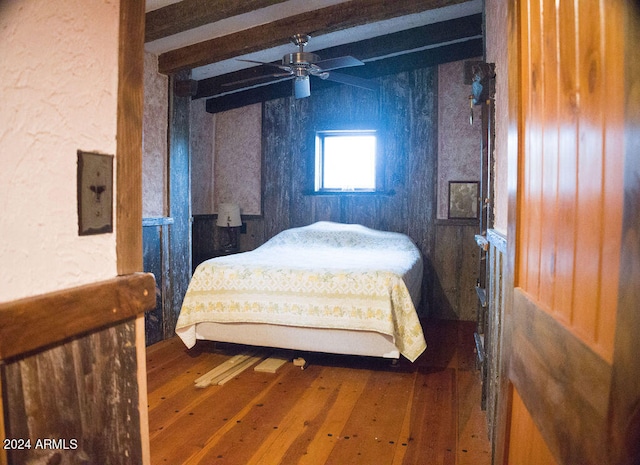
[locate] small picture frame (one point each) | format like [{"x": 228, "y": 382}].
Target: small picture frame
[{"x": 463, "y": 199}]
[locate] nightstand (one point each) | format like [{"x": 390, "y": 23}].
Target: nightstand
[{"x": 201, "y": 257}]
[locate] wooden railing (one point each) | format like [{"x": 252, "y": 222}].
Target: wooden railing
[{"x": 37, "y": 322}]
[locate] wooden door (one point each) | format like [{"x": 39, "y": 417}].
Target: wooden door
[{"x": 573, "y": 229}]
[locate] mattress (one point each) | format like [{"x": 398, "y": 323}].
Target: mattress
[{"x": 325, "y": 275}]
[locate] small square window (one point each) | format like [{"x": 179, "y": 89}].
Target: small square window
[{"x": 345, "y": 161}]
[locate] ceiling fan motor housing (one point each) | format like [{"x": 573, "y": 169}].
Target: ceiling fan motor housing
[{"x": 300, "y": 58}]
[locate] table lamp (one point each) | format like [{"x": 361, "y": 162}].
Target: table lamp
[{"x": 229, "y": 220}]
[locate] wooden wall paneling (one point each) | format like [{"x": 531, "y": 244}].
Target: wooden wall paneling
[
  {"x": 325, "y": 207},
  {"x": 549, "y": 151},
  {"x": 409, "y": 113},
  {"x": 395, "y": 114},
  {"x": 569, "y": 161},
  {"x": 179, "y": 200},
  {"x": 277, "y": 161},
  {"x": 533, "y": 449},
  {"x": 444, "y": 283},
  {"x": 152, "y": 260},
  {"x": 204, "y": 238},
  {"x": 365, "y": 211},
  {"x": 155, "y": 241},
  {"x": 254, "y": 234},
  {"x": 68, "y": 393},
  {"x": 532, "y": 191},
  {"x": 302, "y": 141},
  {"x": 455, "y": 261},
  {"x": 395, "y": 152},
  {"x": 589, "y": 211},
  {"x": 422, "y": 153},
  {"x": 518, "y": 82},
  {"x": 624, "y": 420},
  {"x": 567, "y": 164},
  {"x": 614, "y": 167},
  {"x": 496, "y": 382},
  {"x": 563, "y": 383}
]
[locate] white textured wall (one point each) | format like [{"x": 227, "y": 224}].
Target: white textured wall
[{"x": 58, "y": 82}]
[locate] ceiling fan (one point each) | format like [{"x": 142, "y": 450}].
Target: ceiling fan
[{"x": 300, "y": 65}]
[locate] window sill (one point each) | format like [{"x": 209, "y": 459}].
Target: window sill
[{"x": 347, "y": 193}]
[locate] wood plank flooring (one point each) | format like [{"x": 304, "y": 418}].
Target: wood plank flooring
[{"x": 338, "y": 410}]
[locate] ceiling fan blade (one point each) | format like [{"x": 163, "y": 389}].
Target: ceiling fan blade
[
  {"x": 256, "y": 79},
  {"x": 274, "y": 65},
  {"x": 339, "y": 62},
  {"x": 301, "y": 87},
  {"x": 351, "y": 80}
]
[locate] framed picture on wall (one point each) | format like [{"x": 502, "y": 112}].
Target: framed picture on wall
[{"x": 463, "y": 199}]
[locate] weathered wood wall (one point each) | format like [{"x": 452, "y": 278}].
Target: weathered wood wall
[
  {"x": 496, "y": 382},
  {"x": 69, "y": 364},
  {"x": 179, "y": 191},
  {"x": 159, "y": 322},
  {"x": 405, "y": 112},
  {"x": 76, "y": 394}
]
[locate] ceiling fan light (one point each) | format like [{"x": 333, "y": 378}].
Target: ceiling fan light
[{"x": 301, "y": 87}]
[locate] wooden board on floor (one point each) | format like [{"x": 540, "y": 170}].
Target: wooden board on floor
[
  {"x": 270, "y": 365},
  {"x": 228, "y": 370}
]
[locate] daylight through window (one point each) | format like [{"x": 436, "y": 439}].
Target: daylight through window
[{"x": 345, "y": 161}]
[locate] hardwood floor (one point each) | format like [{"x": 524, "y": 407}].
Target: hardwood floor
[{"x": 339, "y": 410}]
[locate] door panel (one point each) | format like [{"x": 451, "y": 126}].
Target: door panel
[
  {"x": 562, "y": 382},
  {"x": 524, "y": 431},
  {"x": 566, "y": 208},
  {"x": 571, "y": 172}
]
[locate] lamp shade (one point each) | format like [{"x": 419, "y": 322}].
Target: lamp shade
[{"x": 229, "y": 215}]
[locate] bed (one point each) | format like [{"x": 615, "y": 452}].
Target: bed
[{"x": 327, "y": 287}]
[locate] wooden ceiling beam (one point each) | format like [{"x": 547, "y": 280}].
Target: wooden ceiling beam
[
  {"x": 189, "y": 14},
  {"x": 318, "y": 22}
]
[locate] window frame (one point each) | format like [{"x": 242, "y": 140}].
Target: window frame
[{"x": 318, "y": 161}]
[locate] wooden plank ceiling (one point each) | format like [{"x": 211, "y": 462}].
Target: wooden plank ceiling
[{"x": 186, "y": 36}]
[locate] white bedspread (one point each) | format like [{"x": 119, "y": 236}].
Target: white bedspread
[{"x": 326, "y": 275}]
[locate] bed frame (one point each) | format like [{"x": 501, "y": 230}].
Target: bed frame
[{"x": 334, "y": 341}]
